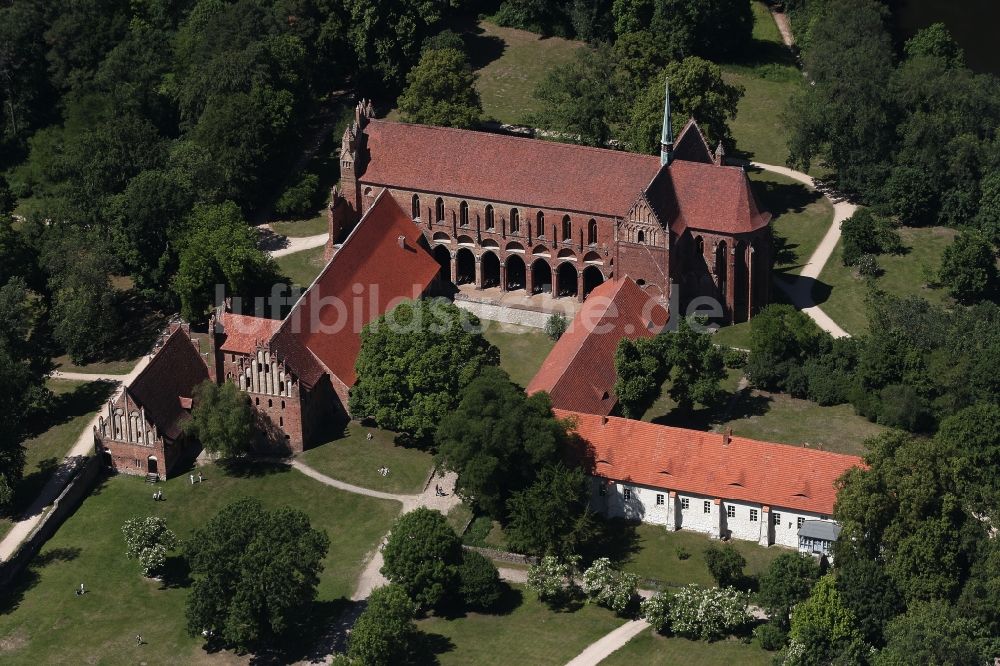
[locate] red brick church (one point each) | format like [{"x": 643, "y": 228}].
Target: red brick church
[{"x": 514, "y": 213}]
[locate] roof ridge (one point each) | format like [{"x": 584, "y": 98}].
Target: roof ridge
[{"x": 156, "y": 355}]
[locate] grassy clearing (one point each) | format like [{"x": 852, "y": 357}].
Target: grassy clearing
[
  {"x": 769, "y": 79},
  {"x": 43, "y": 621},
  {"x": 773, "y": 417},
  {"x": 529, "y": 633},
  {"x": 841, "y": 292},
  {"x": 459, "y": 518},
  {"x": 802, "y": 217},
  {"x": 655, "y": 557},
  {"x": 510, "y": 64},
  {"x": 652, "y": 649},
  {"x": 355, "y": 459},
  {"x": 114, "y": 367},
  {"x": 301, "y": 268},
  {"x": 298, "y": 228},
  {"x": 522, "y": 349},
  {"x": 734, "y": 335}
]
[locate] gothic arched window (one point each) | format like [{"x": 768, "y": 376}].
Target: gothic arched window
[
  {"x": 640, "y": 237},
  {"x": 415, "y": 206},
  {"x": 540, "y": 225},
  {"x": 567, "y": 228},
  {"x": 592, "y": 232},
  {"x": 463, "y": 214},
  {"x": 515, "y": 221},
  {"x": 439, "y": 210},
  {"x": 490, "y": 223}
]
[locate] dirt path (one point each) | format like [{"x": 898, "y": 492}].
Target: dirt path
[
  {"x": 784, "y": 26},
  {"x": 278, "y": 246},
  {"x": 800, "y": 290}
]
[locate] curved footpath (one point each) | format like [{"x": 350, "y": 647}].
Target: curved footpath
[{"x": 800, "y": 290}]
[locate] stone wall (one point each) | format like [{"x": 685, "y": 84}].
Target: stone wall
[
  {"x": 504, "y": 314},
  {"x": 84, "y": 474}
]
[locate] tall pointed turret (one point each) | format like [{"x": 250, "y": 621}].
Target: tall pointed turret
[{"x": 667, "y": 138}]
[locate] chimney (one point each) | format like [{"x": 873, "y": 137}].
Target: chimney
[
  {"x": 604, "y": 420},
  {"x": 401, "y": 240},
  {"x": 727, "y": 436}
]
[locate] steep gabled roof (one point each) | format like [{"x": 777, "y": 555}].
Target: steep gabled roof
[
  {"x": 505, "y": 169},
  {"x": 714, "y": 198},
  {"x": 243, "y": 333},
  {"x": 382, "y": 262},
  {"x": 691, "y": 146},
  {"x": 579, "y": 373},
  {"x": 708, "y": 463},
  {"x": 168, "y": 382}
]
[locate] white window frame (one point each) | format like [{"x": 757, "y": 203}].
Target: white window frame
[
  {"x": 685, "y": 503},
  {"x": 730, "y": 511},
  {"x": 707, "y": 506},
  {"x": 753, "y": 515}
]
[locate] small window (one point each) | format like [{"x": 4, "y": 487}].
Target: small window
[
  {"x": 281, "y": 421},
  {"x": 282, "y": 404},
  {"x": 776, "y": 519},
  {"x": 659, "y": 499},
  {"x": 270, "y": 403},
  {"x": 490, "y": 223},
  {"x": 256, "y": 401},
  {"x": 439, "y": 210},
  {"x": 730, "y": 511},
  {"x": 592, "y": 232},
  {"x": 627, "y": 494},
  {"x": 463, "y": 214},
  {"x": 708, "y": 506},
  {"x": 640, "y": 237},
  {"x": 602, "y": 489},
  {"x": 567, "y": 229},
  {"x": 540, "y": 224},
  {"x": 753, "y": 515},
  {"x": 800, "y": 522},
  {"x": 515, "y": 221},
  {"x": 415, "y": 206},
  {"x": 685, "y": 503}
]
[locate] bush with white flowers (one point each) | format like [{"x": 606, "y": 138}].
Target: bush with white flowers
[
  {"x": 609, "y": 587},
  {"x": 148, "y": 540},
  {"x": 708, "y": 613},
  {"x": 552, "y": 579},
  {"x": 656, "y": 611}
]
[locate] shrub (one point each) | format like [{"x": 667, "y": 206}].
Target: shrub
[
  {"x": 771, "y": 636},
  {"x": 556, "y": 325},
  {"x": 682, "y": 553},
  {"x": 477, "y": 531},
  {"x": 610, "y": 587},
  {"x": 725, "y": 564},
  {"x": 868, "y": 266},
  {"x": 735, "y": 359},
  {"x": 148, "y": 540},
  {"x": 656, "y": 611},
  {"x": 300, "y": 198},
  {"x": 865, "y": 233},
  {"x": 708, "y": 613},
  {"x": 552, "y": 579},
  {"x": 478, "y": 581}
]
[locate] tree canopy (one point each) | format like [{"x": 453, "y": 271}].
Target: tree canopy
[
  {"x": 222, "y": 419},
  {"x": 422, "y": 556},
  {"x": 441, "y": 90},
  {"x": 255, "y": 573},
  {"x": 415, "y": 363}
]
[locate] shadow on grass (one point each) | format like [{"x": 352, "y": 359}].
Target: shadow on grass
[
  {"x": 615, "y": 539},
  {"x": 427, "y": 646},
  {"x": 176, "y": 573},
  {"x": 781, "y": 198},
  {"x": 245, "y": 468},
  {"x": 67, "y": 406},
  {"x": 28, "y": 579}
]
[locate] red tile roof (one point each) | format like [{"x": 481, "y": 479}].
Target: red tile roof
[
  {"x": 506, "y": 169},
  {"x": 243, "y": 333},
  {"x": 168, "y": 382},
  {"x": 579, "y": 373},
  {"x": 383, "y": 261},
  {"x": 714, "y": 198},
  {"x": 545, "y": 174},
  {"x": 693, "y": 461}
]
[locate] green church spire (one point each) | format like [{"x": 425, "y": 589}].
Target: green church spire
[{"x": 667, "y": 138}]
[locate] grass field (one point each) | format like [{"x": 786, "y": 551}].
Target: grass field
[
  {"x": 651, "y": 649},
  {"x": 841, "y": 293},
  {"x": 801, "y": 217},
  {"x": 296, "y": 228},
  {"x": 769, "y": 79},
  {"x": 115, "y": 367},
  {"x": 529, "y": 634},
  {"x": 43, "y": 621},
  {"x": 734, "y": 335},
  {"x": 301, "y": 268},
  {"x": 522, "y": 348},
  {"x": 510, "y": 63},
  {"x": 355, "y": 459},
  {"x": 655, "y": 556},
  {"x": 662, "y": 408}
]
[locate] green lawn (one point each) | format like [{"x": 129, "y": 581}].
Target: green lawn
[
  {"x": 655, "y": 555},
  {"x": 301, "y": 268},
  {"x": 295, "y": 228},
  {"x": 355, "y": 459},
  {"x": 802, "y": 216},
  {"x": 43, "y": 621},
  {"x": 734, "y": 335},
  {"x": 510, "y": 63},
  {"x": 651, "y": 649},
  {"x": 522, "y": 348},
  {"x": 773, "y": 417},
  {"x": 769, "y": 79},
  {"x": 841, "y": 293},
  {"x": 114, "y": 367},
  {"x": 529, "y": 634}
]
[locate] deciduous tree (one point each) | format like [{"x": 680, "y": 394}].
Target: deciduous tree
[
  {"x": 148, "y": 540},
  {"x": 222, "y": 419},
  {"x": 441, "y": 90},
  {"x": 422, "y": 556},
  {"x": 385, "y": 634}
]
